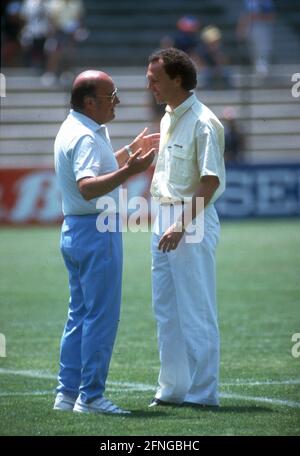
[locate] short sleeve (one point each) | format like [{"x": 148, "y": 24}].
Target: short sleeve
[
  {"x": 210, "y": 149},
  {"x": 86, "y": 158}
]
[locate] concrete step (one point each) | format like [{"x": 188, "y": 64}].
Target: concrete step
[
  {"x": 271, "y": 142},
  {"x": 120, "y": 128},
  {"x": 163, "y": 22},
  {"x": 133, "y": 92},
  {"x": 135, "y": 7},
  {"x": 40, "y": 152},
  {"x": 27, "y": 147},
  {"x": 274, "y": 127},
  {"x": 19, "y": 79},
  {"x": 59, "y": 99},
  {"x": 31, "y": 115},
  {"x": 277, "y": 156},
  {"x": 28, "y": 116},
  {"x": 41, "y": 100},
  {"x": 263, "y": 112}
]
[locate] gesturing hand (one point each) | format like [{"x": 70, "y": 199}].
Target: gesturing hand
[
  {"x": 145, "y": 142},
  {"x": 138, "y": 163}
]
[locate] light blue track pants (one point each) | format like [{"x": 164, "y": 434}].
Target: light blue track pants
[{"x": 94, "y": 263}]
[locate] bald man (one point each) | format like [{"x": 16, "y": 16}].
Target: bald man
[{"x": 87, "y": 169}]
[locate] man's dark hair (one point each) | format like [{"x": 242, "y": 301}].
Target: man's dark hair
[
  {"x": 177, "y": 63},
  {"x": 85, "y": 89}
]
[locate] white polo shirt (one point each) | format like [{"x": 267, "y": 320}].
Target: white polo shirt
[
  {"x": 82, "y": 149},
  {"x": 191, "y": 146}
]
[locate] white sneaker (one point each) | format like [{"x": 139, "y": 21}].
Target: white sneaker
[
  {"x": 63, "y": 402},
  {"x": 101, "y": 405}
]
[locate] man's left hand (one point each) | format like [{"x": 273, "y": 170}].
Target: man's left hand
[{"x": 145, "y": 142}]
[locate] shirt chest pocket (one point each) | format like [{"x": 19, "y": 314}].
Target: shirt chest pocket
[{"x": 181, "y": 165}]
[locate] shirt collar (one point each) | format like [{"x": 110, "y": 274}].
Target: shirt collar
[
  {"x": 85, "y": 120},
  {"x": 183, "y": 107}
]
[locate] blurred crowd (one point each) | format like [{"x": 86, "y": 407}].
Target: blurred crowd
[
  {"x": 42, "y": 34},
  {"x": 205, "y": 44}
]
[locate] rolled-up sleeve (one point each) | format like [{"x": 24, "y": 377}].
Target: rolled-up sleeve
[
  {"x": 210, "y": 152},
  {"x": 86, "y": 158}
]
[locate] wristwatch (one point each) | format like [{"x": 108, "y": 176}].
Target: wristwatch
[{"x": 128, "y": 150}]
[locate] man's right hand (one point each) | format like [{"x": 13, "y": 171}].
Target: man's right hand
[{"x": 137, "y": 164}]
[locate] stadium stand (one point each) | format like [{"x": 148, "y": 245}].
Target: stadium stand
[
  {"x": 122, "y": 35},
  {"x": 31, "y": 115}
]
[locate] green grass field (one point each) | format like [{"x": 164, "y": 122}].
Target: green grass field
[{"x": 259, "y": 311}]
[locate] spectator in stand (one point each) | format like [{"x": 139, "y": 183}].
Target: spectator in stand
[
  {"x": 11, "y": 23},
  {"x": 255, "y": 25},
  {"x": 36, "y": 29},
  {"x": 186, "y": 37},
  {"x": 214, "y": 72},
  {"x": 234, "y": 137},
  {"x": 66, "y": 18},
  {"x": 204, "y": 47}
]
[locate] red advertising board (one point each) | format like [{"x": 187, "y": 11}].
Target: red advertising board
[{"x": 32, "y": 196}]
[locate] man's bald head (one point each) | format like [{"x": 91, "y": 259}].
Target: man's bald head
[{"x": 86, "y": 85}]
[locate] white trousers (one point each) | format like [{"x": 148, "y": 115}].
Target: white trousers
[{"x": 184, "y": 303}]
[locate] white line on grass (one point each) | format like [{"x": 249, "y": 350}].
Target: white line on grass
[
  {"x": 132, "y": 386},
  {"x": 26, "y": 393},
  {"x": 267, "y": 400},
  {"x": 143, "y": 386},
  {"x": 28, "y": 373},
  {"x": 127, "y": 387},
  {"x": 47, "y": 375},
  {"x": 259, "y": 383}
]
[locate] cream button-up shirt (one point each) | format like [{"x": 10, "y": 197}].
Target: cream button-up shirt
[{"x": 191, "y": 146}]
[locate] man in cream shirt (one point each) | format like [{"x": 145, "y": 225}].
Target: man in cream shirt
[{"x": 190, "y": 168}]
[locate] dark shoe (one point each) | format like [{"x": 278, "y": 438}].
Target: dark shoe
[{"x": 155, "y": 402}]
